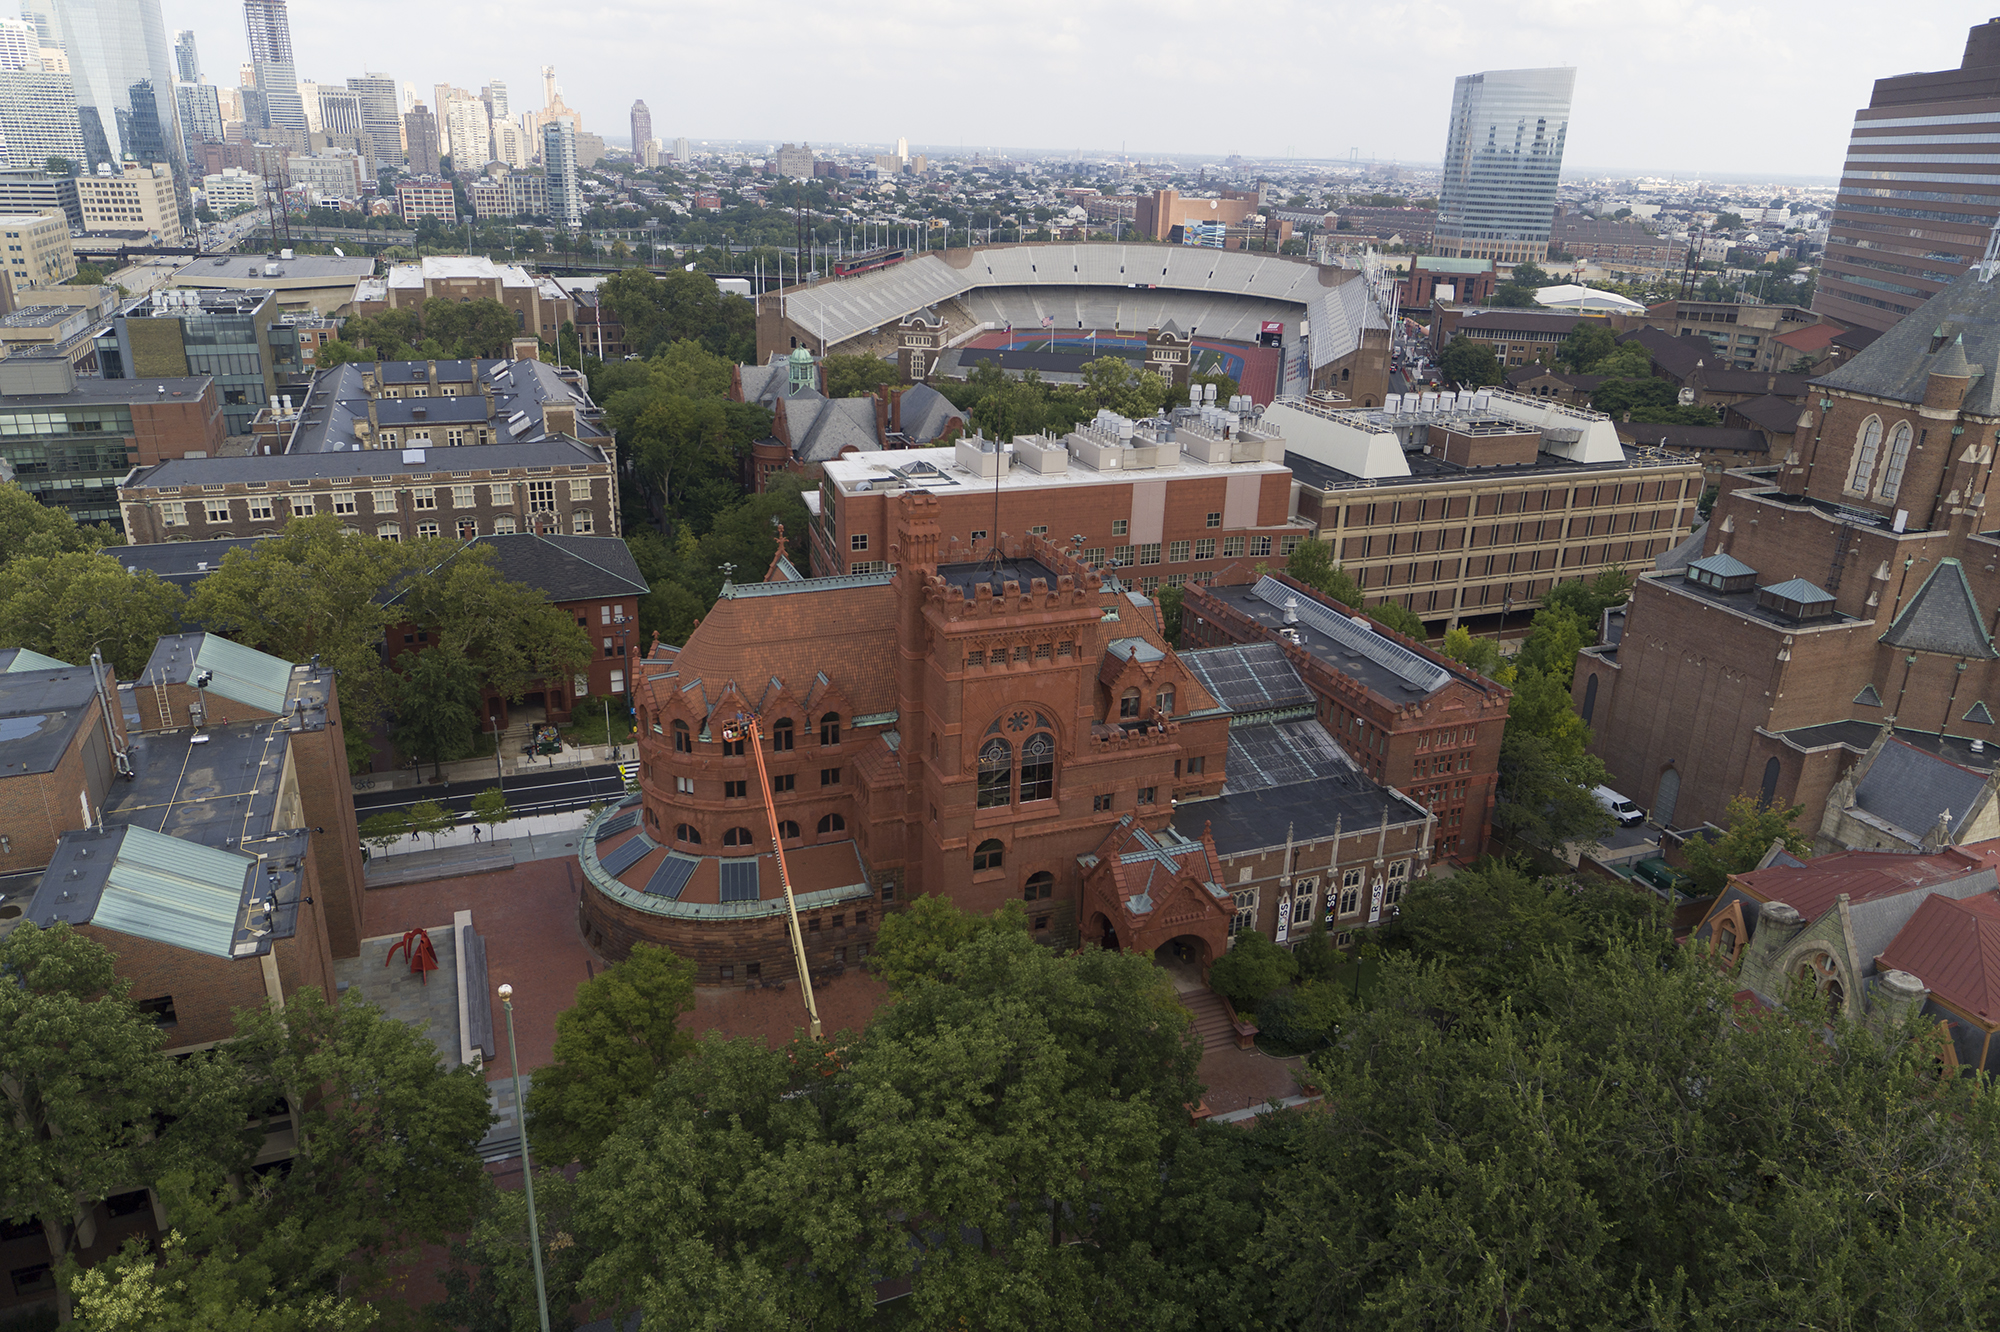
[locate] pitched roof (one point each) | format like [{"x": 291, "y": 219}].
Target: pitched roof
[
  {"x": 148, "y": 885},
  {"x": 242, "y": 674},
  {"x": 1953, "y": 947},
  {"x": 567, "y": 568},
  {"x": 1722, "y": 565},
  {"x": 1909, "y": 789},
  {"x": 1699, "y": 439},
  {"x": 1770, "y": 412},
  {"x": 1248, "y": 677},
  {"x": 1811, "y": 338},
  {"x": 1813, "y": 888},
  {"x": 1897, "y": 364},
  {"x": 1798, "y": 589},
  {"x": 1943, "y": 618}
]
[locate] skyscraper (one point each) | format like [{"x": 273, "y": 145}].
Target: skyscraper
[
  {"x": 187, "y": 62},
  {"x": 123, "y": 71},
  {"x": 1502, "y": 159},
  {"x": 38, "y": 119},
  {"x": 420, "y": 127},
  {"x": 559, "y": 166},
  {"x": 201, "y": 116},
  {"x": 380, "y": 120},
  {"x": 494, "y": 95},
  {"x": 1920, "y": 190},
  {"x": 642, "y": 127},
  {"x": 19, "y": 44},
  {"x": 268, "y": 24}
]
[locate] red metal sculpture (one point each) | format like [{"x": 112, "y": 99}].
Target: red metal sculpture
[{"x": 416, "y": 944}]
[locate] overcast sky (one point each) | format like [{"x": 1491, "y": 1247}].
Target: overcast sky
[{"x": 1668, "y": 85}]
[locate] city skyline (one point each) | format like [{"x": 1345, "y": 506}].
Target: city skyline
[{"x": 1746, "y": 92}]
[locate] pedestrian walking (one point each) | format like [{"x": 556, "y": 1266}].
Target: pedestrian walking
[{"x": 475, "y": 832}]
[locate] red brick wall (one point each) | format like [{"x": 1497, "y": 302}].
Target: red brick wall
[{"x": 174, "y": 425}]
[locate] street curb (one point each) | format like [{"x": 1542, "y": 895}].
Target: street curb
[{"x": 452, "y": 869}]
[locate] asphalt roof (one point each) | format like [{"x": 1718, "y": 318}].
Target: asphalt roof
[
  {"x": 338, "y": 401},
  {"x": 245, "y": 267},
  {"x": 552, "y": 452},
  {"x": 91, "y": 390},
  {"x": 1898, "y": 364},
  {"x": 567, "y": 568},
  {"x": 40, "y": 713},
  {"x": 1700, "y": 439},
  {"x": 1943, "y": 618},
  {"x": 1254, "y": 820},
  {"x": 1909, "y": 789},
  {"x": 1330, "y": 633}
]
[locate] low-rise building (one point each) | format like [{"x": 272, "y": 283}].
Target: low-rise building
[
  {"x": 233, "y": 190},
  {"x": 406, "y": 404},
  {"x": 37, "y": 253},
  {"x": 1518, "y": 337},
  {"x": 426, "y": 196},
  {"x": 69, "y": 440},
  {"x": 1432, "y": 280},
  {"x": 181, "y": 331},
  {"x": 1712, "y": 378},
  {"x": 1743, "y": 337},
  {"x": 1469, "y": 507},
  {"x": 316, "y": 283},
  {"x": 138, "y": 199},
  {"x": 539, "y": 304},
  {"x": 555, "y": 486},
  {"x": 67, "y": 332}
]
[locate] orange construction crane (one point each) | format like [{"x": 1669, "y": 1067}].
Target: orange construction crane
[{"x": 746, "y": 728}]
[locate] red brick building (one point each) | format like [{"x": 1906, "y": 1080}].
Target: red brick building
[
  {"x": 1847, "y": 589},
  {"x": 991, "y": 729}
]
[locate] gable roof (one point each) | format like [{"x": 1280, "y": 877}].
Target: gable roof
[
  {"x": 1953, "y": 947},
  {"x": 1943, "y": 617},
  {"x": 1864, "y": 876},
  {"x": 1908, "y": 789},
  {"x": 567, "y": 568},
  {"x": 241, "y": 674},
  {"x": 1898, "y": 364},
  {"x": 1811, "y": 338},
  {"x": 1769, "y": 412}
]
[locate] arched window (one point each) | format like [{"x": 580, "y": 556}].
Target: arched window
[
  {"x": 782, "y": 736},
  {"x": 738, "y": 837},
  {"x": 1128, "y": 703},
  {"x": 1164, "y": 701},
  {"x": 687, "y": 832},
  {"x": 1865, "y": 456},
  {"x": 1770, "y": 792},
  {"x": 788, "y": 831},
  {"x": 988, "y": 855},
  {"x": 833, "y": 823},
  {"x": 829, "y": 729},
  {"x": 1038, "y": 768},
  {"x": 683, "y": 738},
  {"x": 1899, "y": 458},
  {"x": 996, "y": 773},
  {"x": 1040, "y": 886}
]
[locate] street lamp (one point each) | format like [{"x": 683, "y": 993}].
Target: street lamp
[{"x": 527, "y": 1166}]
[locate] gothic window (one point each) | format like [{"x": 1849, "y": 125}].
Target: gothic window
[
  {"x": 1040, "y": 886},
  {"x": 683, "y": 740},
  {"x": 988, "y": 855},
  {"x": 1865, "y": 456},
  {"x": 1038, "y": 768},
  {"x": 738, "y": 837},
  {"x": 1770, "y": 791},
  {"x": 1245, "y": 916},
  {"x": 833, "y": 823},
  {"x": 1899, "y": 458},
  {"x": 1350, "y": 892},
  {"x": 996, "y": 773}
]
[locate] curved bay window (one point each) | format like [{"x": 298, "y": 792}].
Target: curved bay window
[
  {"x": 996, "y": 773},
  {"x": 1038, "y": 768}
]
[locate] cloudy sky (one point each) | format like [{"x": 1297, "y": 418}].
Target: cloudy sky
[{"x": 1671, "y": 85}]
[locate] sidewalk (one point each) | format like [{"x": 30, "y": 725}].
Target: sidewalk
[{"x": 539, "y": 837}]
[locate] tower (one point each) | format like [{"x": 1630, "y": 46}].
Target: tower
[
  {"x": 642, "y": 128},
  {"x": 187, "y": 63},
  {"x": 1502, "y": 158},
  {"x": 559, "y": 167},
  {"x": 268, "y": 25}
]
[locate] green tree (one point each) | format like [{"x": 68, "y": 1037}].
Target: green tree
[
  {"x": 385, "y": 829},
  {"x": 611, "y": 1047},
  {"x": 28, "y": 527},
  {"x": 1251, "y": 969},
  {"x": 59, "y": 166},
  {"x": 1729, "y": 222},
  {"x": 1169, "y": 600},
  {"x": 94, "y": 1108},
  {"x": 490, "y": 808},
  {"x": 507, "y": 633},
  {"x": 386, "y": 1156},
  {"x": 1110, "y": 381},
  {"x": 437, "y": 706},
  {"x": 1465, "y": 361},
  {"x": 1479, "y": 654},
  {"x": 87, "y": 275},
  {"x": 490, "y": 1280},
  {"x": 857, "y": 376},
  {"x": 917, "y": 945},
  {"x": 1586, "y": 345},
  {"x": 66, "y": 605},
  {"x": 1512, "y": 295},
  {"x": 1312, "y": 564},
  {"x": 427, "y": 818},
  {"x": 1395, "y": 615},
  {"x": 1752, "y": 827}
]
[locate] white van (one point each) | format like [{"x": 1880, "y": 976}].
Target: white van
[{"x": 1618, "y": 806}]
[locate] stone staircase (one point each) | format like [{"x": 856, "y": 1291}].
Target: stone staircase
[{"x": 1211, "y": 1019}]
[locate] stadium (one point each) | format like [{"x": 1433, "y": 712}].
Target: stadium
[{"x": 1275, "y": 324}]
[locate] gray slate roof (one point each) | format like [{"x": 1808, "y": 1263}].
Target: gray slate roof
[
  {"x": 822, "y": 428},
  {"x": 1943, "y": 618},
  {"x": 559, "y": 451},
  {"x": 1897, "y": 364},
  {"x": 1909, "y": 789}
]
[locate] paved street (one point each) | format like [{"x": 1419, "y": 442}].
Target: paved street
[{"x": 527, "y": 793}]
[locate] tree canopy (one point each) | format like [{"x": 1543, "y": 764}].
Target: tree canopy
[{"x": 1467, "y": 361}]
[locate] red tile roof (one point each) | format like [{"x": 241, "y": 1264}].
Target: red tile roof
[
  {"x": 1953, "y": 947},
  {"x": 1811, "y": 338},
  {"x": 1811, "y": 889}
]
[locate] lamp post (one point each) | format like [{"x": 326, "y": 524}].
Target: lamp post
[{"x": 527, "y": 1166}]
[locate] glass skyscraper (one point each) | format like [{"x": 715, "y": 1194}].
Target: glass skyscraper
[
  {"x": 1502, "y": 160},
  {"x": 268, "y": 25},
  {"x": 123, "y": 68}
]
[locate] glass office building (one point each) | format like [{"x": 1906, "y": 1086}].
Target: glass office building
[
  {"x": 1502, "y": 160},
  {"x": 175, "y": 333}
]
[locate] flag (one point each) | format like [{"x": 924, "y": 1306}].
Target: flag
[{"x": 1048, "y": 321}]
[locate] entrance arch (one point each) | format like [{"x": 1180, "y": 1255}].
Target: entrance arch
[{"x": 1185, "y": 958}]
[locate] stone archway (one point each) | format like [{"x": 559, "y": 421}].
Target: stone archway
[
  {"x": 1099, "y": 930},
  {"x": 1185, "y": 958}
]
